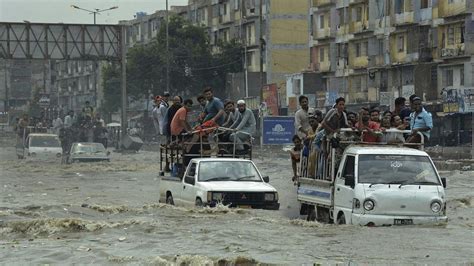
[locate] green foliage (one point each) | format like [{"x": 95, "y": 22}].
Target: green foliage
[
  {"x": 193, "y": 65},
  {"x": 112, "y": 88}
]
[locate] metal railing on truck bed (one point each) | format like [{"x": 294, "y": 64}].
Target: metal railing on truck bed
[{"x": 197, "y": 144}]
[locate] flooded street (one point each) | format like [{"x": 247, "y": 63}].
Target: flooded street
[{"x": 109, "y": 213}]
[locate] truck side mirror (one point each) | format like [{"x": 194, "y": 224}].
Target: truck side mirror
[
  {"x": 189, "y": 180},
  {"x": 443, "y": 180},
  {"x": 349, "y": 181},
  {"x": 266, "y": 179}
]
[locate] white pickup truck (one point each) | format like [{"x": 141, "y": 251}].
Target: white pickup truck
[
  {"x": 230, "y": 181},
  {"x": 375, "y": 185}
]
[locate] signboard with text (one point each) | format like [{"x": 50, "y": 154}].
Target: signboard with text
[
  {"x": 458, "y": 100},
  {"x": 278, "y": 129}
]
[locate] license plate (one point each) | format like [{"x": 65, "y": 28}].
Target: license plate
[
  {"x": 244, "y": 206},
  {"x": 402, "y": 221}
]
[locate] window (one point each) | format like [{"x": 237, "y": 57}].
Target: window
[
  {"x": 215, "y": 11},
  {"x": 399, "y": 6},
  {"x": 401, "y": 43},
  {"x": 192, "y": 170},
  {"x": 365, "y": 51},
  {"x": 358, "y": 49},
  {"x": 340, "y": 14},
  {"x": 312, "y": 24},
  {"x": 349, "y": 166},
  {"x": 321, "y": 54},
  {"x": 424, "y": 3},
  {"x": 450, "y": 35},
  {"x": 461, "y": 29},
  {"x": 321, "y": 21},
  {"x": 237, "y": 4},
  {"x": 359, "y": 13},
  {"x": 447, "y": 77},
  {"x": 381, "y": 48},
  {"x": 450, "y": 1},
  {"x": 461, "y": 76}
]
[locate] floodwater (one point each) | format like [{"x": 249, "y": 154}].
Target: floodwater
[{"x": 108, "y": 213}]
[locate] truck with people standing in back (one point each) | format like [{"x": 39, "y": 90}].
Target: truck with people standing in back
[{"x": 349, "y": 181}]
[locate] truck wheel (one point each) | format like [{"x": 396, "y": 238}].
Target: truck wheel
[
  {"x": 311, "y": 214},
  {"x": 169, "y": 199},
  {"x": 341, "y": 219},
  {"x": 199, "y": 203}
]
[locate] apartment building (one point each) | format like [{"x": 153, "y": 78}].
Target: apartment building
[{"x": 372, "y": 51}]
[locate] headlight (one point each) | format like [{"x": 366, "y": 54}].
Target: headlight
[
  {"x": 436, "y": 206},
  {"x": 217, "y": 196},
  {"x": 369, "y": 205},
  {"x": 58, "y": 155},
  {"x": 271, "y": 196}
]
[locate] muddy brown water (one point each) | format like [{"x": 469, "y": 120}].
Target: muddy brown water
[{"x": 108, "y": 213}]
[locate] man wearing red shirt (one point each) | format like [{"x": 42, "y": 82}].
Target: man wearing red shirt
[{"x": 371, "y": 127}]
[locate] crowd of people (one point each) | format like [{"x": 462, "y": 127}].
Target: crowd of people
[
  {"x": 173, "y": 124},
  {"x": 368, "y": 124},
  {"x": 84, "y": 126}
]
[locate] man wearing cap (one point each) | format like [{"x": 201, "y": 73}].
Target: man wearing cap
[
  {"x": 420, "y": 121},
  {"x": 162, "y": 109},
  {"x": 245, "y": 126},
  {"x": 301, "y": 117}
]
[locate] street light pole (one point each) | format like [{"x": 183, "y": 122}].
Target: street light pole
[
  {"x": 167, "y": 51},
  {"x": 95, "y": 11}
]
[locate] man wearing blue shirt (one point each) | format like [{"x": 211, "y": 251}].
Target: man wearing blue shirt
[
  {"x": 214, "y": 109},
  {"x": 420, "y": 121}
]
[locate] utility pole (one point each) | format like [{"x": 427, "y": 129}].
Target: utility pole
[
  {"x": 123, "y": 83},
  {"x": 262, "y": 48},
  {"x": 243, "y": 39},
  {"x": 167, "y": 51}
]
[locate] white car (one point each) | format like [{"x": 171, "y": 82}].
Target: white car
[
  {"x": 40, "y": 146},
  {"x": 88, "y": 152},
  {"x": 209, "y": 181}
]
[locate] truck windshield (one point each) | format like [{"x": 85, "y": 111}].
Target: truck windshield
[
  {"x": 396, "y": 169},
  {"x": 228, "y": 171},
  {"x": 44, "y": 141}
]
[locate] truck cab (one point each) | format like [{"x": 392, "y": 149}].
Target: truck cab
[
  {"x": 388, "y": 186},
  {"x": 229, "y": 181},
  {"x": 373, "y": 184}
]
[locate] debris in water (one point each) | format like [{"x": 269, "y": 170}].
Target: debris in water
[{"x": 122, "y": 238}]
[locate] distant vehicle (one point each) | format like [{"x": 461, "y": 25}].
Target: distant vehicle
[
  {"x": 88, "y": 152},
  {"x": 40, "y": 146},
  {"x": 230, "y": 181}
]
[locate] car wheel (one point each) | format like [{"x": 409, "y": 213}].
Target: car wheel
[
  {"x": 169, "y": 199},
  {"x": 199, "y": 203},
  {"x": 341, "y": 219},
  {"x": 311, "y": 214}
]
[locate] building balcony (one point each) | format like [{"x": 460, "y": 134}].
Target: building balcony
[
  {"x": 446, "y": 9},
  {"x": 322, "y": 34},
  {"x": 320, "y": 3},
  {"x": 358, "y": 26},
  {"x": 359, "y": 62},
  {"x": 404, "y": 18},
  {"x": 452, "y": 51},
  {"x": 324, "y": 66}
]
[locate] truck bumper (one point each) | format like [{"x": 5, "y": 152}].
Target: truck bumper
[{"x": 381, "y": 220}]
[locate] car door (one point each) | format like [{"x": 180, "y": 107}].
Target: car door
[
  {"x": 344, "y": 194},
  {"x": 188, "y": 193}
]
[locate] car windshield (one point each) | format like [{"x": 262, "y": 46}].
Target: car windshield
[
  {"x": 396, "y": 169},
  {"x": 88, "y": 148},
  {"x": 228, "y": 171},
  {"x": 44, "y": 141}
]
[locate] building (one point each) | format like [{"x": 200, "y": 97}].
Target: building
[{"x": 373, "y": 51}]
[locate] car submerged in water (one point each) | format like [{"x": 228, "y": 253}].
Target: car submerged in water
[{"x": 88, "y": 152}]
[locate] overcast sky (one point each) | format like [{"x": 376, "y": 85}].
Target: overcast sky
[{"x": 60, "y": 11}]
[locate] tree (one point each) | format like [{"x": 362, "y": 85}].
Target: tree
[{"x": 111, "y": 83}]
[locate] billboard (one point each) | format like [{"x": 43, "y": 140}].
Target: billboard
[
  {"x": 458, "y": 100},
  {"x": 278, "y": 129}
]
